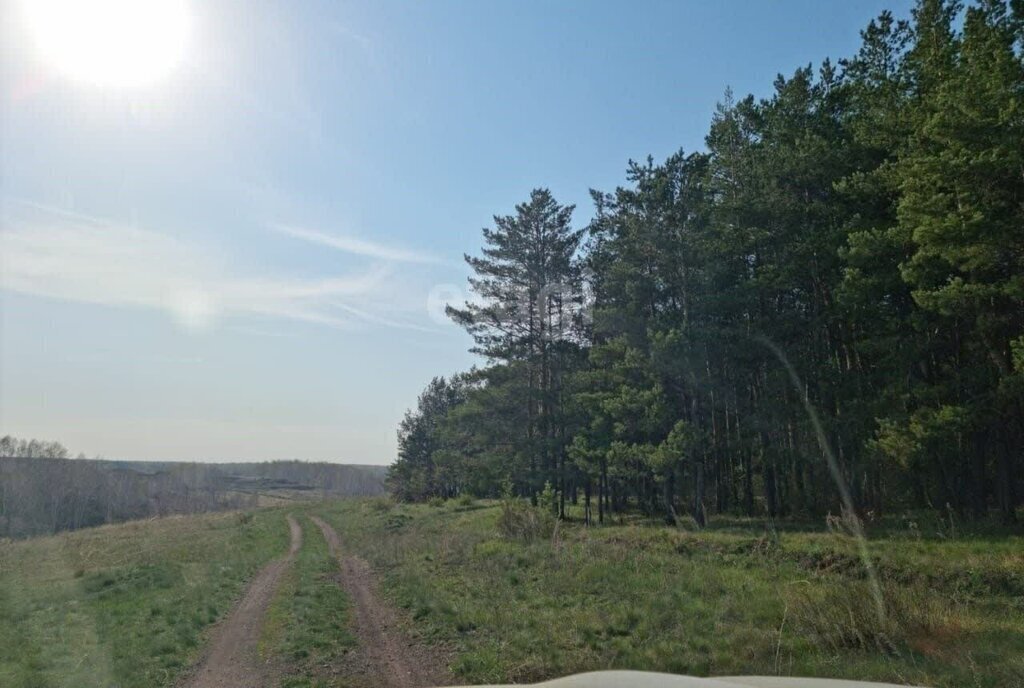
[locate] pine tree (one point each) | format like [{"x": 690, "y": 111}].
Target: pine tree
[{"x": 528, "y": 281}]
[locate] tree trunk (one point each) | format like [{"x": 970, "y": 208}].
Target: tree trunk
[{"x": 698, "y": 495}]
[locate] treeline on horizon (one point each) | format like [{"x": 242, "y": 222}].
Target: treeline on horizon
[
  {"x": 848, "y": 252},
  {"x": 42, "y": 491}
]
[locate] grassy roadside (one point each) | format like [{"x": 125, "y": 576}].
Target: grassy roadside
[
  {"x": 307, "y": 624},
  {"x": 730, "y": 600},
  {"x": 125, "y": 605}
]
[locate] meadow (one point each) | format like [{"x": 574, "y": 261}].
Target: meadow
[
  {"x": 125, "y": 605},
  {"x": 740, "y": 597},
  {"x": 132, "y": 604}
]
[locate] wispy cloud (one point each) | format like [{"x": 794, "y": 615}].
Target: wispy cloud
[
  {"x": 378, "y": 319},
  {"x": 74, "y": 257},
  {"x": 356, "y": 246}
]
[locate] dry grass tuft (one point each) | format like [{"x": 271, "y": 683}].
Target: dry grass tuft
[{"x": 846, "y": 617}]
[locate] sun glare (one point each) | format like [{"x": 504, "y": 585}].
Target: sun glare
[{"x": 110, "y": 43}]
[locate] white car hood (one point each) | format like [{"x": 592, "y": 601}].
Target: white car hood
[{"x": 647, "y": 679}]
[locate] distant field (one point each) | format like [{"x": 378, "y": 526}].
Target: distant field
[
  {"x": 733, "y": 599},
  {"x": 125, "y": 605}
]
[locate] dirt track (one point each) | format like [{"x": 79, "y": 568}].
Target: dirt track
[
  {"x": 387, "y": 657},
  {"x": 231, "y": 661}
]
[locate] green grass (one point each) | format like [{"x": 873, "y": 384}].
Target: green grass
[
  {"x": 733, "y": 599},
  {"x": 307, "y": 624},
  {"x": 125, "y": 605}
]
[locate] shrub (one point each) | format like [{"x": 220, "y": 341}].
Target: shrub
[
  {"x": 436, "y": 501},
  {"x": 396, "y": 521},
  {"x": 548, "y": 499},
  {"x": 520, "y": 520},
  {"x": 465, "y": 500},
  {"x": 846, "y": 523},
  {"x": 381, "y": 504}
]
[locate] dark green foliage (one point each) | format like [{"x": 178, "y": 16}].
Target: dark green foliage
[
  {"x": 852, "y": 245},
  {"x": 421, "y": 471}
]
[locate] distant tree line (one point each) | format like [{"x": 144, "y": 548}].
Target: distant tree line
[
  {"x": 42, "y": 491},
  {"x": 32, "y": 449},
  {"x": 337, "y": 479},
  {"x": 40, "y": 496},
  {"x": 847, "y": 256}
]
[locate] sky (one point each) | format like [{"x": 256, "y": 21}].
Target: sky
[{"x": 228, "y": 232}]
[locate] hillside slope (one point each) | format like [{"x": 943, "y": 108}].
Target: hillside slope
[{"x": 127, "y": 604}]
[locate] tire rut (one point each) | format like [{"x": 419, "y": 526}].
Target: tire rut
[
  {"x": 387, "y": 657},
  {"x": 231, "y": 660}
]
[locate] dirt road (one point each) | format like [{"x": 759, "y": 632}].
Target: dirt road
[
  {"x": 387, "y": 656},
  {"x": 231, "y": 661}
]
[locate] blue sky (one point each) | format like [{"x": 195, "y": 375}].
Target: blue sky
[{"x": 247, "y": 257}]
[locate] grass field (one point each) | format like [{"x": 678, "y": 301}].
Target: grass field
[
  {"x": 128, "y": 605},
  {"x": 734, "y": 599},
  {"x": 125, "y": 605}
]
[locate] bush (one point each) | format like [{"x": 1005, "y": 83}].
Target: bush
[
  {"x": 520, "y": 520},
  {"x": 465, "y": 500},
  {"x": 436, "y": 501},
  {"x": 396, "y": 521},
  {"x": 547, "y": 500},
  {"x": 381, "y": 504}
]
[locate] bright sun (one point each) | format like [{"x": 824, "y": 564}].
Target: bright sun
[{"x": 112, "y": 43}]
